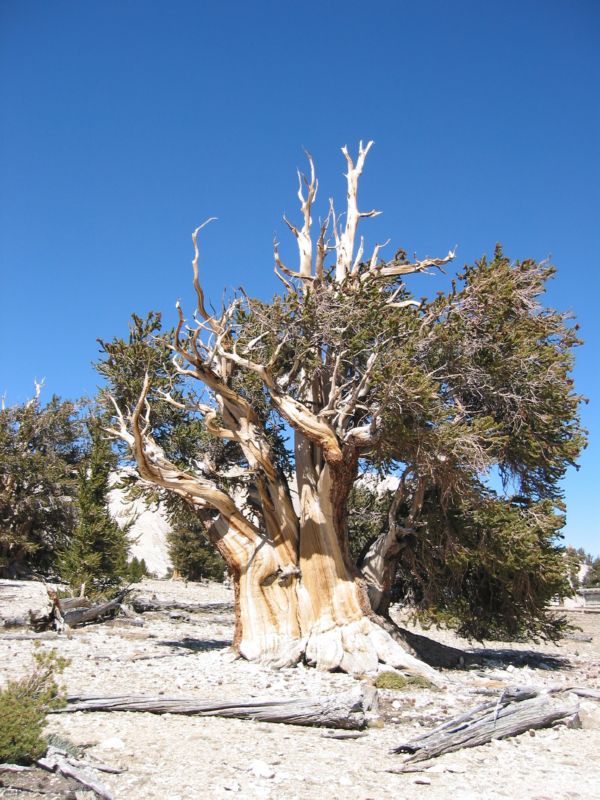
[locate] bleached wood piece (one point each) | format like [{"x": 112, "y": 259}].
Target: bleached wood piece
[
  {"x": 488, "y": 721},
  {"x": 339, "y": 711},
  {"x": 79, "y": 616},
  {"x": 55, "y": 761},
  {"x": 144, "y": 604}
]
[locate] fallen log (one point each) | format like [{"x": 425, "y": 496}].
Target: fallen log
[
  {"x": 141, "y": 605},
  {"x": 80, "y": 616},
  {"x": 347, "y": 710},
  {"x": 21, "y": 637},
  {"x": 56, "y": 761},
  {"x": 516, "y": 711}
]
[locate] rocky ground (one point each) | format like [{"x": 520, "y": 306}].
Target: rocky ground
[{"x": 173, "y": 757}]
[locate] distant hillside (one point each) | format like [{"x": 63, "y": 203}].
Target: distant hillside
[{"x": 148, "y": 533}]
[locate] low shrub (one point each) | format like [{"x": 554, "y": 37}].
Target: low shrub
[
  {"x": 23, "y": 708},
  {"x": 397, "y": 682}
]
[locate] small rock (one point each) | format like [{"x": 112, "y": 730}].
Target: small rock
[
  {"x": 260, "y": 769},
  {"x": 232, "y": 786},
  {"x": 113, "y": 743},
  {"x": 589, "y": 715},
  {"x": 422, "y": 780}
]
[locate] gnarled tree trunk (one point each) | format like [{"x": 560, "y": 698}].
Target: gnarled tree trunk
[{"x": 297, "y": 594}]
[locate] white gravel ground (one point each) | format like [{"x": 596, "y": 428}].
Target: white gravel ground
[{"x": 173, "y": 757}]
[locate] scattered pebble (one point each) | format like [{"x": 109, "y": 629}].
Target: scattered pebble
[
  {"x": 173, "y": 756},
  {"x": 113, "y": 743},
  {"x": 260, "y": 769}
]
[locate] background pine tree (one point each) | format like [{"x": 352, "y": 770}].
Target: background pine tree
[
  {"x": 192, "y": 555},
  {"x": 97, "y": 553},
  {"x": 41, "y": 447}
]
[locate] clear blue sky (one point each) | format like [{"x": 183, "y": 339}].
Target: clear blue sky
[{"x": 125, "y": 123}]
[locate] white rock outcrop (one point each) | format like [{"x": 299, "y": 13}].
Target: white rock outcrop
[{"x": 148, "y": 533}]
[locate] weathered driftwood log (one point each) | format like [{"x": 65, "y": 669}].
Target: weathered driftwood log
[
  {"x": 143, "y": 604},
  {"x": 580, "y": 691},
  {"x": 79, "y": 616},
  {"x": 55, "y": 760},
  {"x": 346, "y": 710},
  {"x": 515, "y": 712}
]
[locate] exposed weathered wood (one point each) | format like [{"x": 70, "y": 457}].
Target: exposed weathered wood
[
  {"x": 516, "y": 711},
  {"x": 72, "y": 603},
  {"x": 16, "y": 622},
  {"x": 79, "y": 616},
  {"x": 577, "y": 636},
  {"x": 339, "y": 711},
  {"x": 14, "y": 768},
  {"x": 56, "y": 761},
  {"x": 100, "y": 767},
  {"x": 343, "y": 735},
  {"x": 141, "y": 605},
  {"x": 22, "y": 637},
  {"x": 582, "y": 691}
]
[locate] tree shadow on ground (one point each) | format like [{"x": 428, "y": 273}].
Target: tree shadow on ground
[
  {"x": 198, "y": 645},
  {"x": 446, "y": 657}
]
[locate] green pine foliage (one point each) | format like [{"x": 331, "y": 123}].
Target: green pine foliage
[
  {"x": 475, "y": 380},
  {"x": 486, "y": 566},
  {"x": 367, "y": 517},
  {"x": 180, "y": 433},
  {"x": 137, "y": 570},
  {"x": 192, "y": 555},
  {"x": 97, "y": 552},
  {"x": 23, "y": 708},
  {"x": 41, "y": 447}
]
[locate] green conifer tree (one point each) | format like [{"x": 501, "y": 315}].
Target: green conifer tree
[
  {"x": 97, "y": 553},
  {"x": 192, "y": 555},
  {"x": 41, "y": 446}
]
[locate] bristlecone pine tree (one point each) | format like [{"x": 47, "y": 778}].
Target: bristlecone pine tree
[{"x": 361, "y": 375}]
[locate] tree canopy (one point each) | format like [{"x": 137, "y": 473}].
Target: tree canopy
[
  {"x": 345, "y": 372},
  {"x": 41, "y": 447}
]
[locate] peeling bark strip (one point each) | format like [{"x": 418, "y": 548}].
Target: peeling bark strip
[
  {"x": 340, "y": 711},
  {"x": 297, "y": 596},
  {"x": 512, "y": 714}
]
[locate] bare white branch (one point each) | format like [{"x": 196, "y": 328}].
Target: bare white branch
[
  {"x": 375, "y": 256},
  {"x": 391, "y": 269},
  {"x": 199, "y": 293},
  {"x": 345, "y": 247}
]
